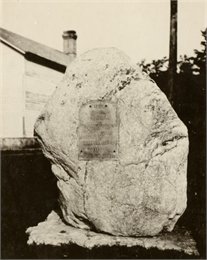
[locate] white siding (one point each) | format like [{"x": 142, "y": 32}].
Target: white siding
[
  {"x": 11, "y": 112},
  {"x": 25, "y": 88},
  {"x": 41, "y": 72},
  {"x": 39, "y": 84}
]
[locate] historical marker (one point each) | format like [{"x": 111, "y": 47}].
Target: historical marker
[{"x": 98, "y": 131}]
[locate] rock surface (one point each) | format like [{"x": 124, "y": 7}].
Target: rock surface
[
  {"x": 144, "y": 191},
  {"x": 53, "y": 231}
]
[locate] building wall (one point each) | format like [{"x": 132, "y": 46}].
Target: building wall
[
  {"x": 11, "y": 92},
  {"x": 25, "y": 88},
  {"x": 39, "y": 84}
]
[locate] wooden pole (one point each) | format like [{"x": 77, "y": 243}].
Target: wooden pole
[{"x": 173, "y": 51}]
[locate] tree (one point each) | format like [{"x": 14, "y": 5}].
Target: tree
[
  {"x": 187, "y": 67},
  {"x": 195, "y": 65},
  {"x": 200, "y": 59}
]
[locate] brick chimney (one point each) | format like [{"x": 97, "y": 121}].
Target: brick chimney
[{"x": 69, "y": 43}]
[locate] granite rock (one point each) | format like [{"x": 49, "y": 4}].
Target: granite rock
[{"x": 144, "y": 191}]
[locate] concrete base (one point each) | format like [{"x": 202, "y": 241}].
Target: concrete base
[
  {"x": 19, "y": 144},
  {"x": 55, "y": 239}
]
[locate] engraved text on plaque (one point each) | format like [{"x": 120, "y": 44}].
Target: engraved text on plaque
[{"x": 98, "y": 131}]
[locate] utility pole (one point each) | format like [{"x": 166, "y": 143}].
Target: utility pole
[{"x": 173, "y": 51}]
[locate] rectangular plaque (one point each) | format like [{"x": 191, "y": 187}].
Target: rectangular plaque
[{"x": 98, "y": 131}]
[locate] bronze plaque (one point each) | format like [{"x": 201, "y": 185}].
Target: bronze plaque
[{"x": 98, "y": 131}]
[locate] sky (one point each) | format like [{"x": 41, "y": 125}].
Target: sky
[{"x": 140, "y": 28}]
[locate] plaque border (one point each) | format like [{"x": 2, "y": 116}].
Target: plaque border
[{"x": 118, "y": 121}]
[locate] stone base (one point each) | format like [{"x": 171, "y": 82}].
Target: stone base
[{"x": 55, "y": 239}]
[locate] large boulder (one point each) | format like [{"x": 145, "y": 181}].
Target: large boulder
[{"x": 141, "y": 188}]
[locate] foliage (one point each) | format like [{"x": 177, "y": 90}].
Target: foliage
[
  {"x": 156, "y": 67},
  {"x": 188, "y": 65},
  {"x": 195, "y": 65}
]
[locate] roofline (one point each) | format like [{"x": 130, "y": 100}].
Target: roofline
[
  {"x": 13, "y": 46},
  {"x": 45, "y": 62},
  {"x": 25, "y": 45}
]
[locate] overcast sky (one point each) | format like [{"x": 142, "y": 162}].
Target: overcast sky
[{"x": 139, "y": 28}]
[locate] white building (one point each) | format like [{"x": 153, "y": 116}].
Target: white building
[{"x": 30, "y": 72}]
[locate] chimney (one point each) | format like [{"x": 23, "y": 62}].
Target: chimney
[{"x": 69, "y": 43}]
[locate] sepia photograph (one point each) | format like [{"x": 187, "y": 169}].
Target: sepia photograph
[{"x": 103, "y": 129}]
